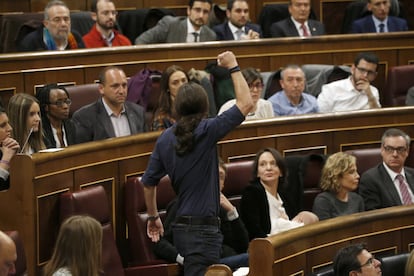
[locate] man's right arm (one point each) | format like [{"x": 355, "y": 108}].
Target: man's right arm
[
  {"x": 243, "y": 98},
  {"x": 157, "y": 34}
]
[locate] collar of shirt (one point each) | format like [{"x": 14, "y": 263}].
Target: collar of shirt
[
  {"x": 299, "y": 26},
  {"x": 190, "y": 28},
  {"x": 109, "y": 39},
  {"x": 391, "y": 173},
  {"x": 377, "y": 22},
  {"x": 234, "y": 29},
  {"x": 301, "y": 102},
  {"x": 109, "y": 110}
]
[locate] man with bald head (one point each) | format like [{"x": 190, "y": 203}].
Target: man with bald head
[{"x": 8, "y": 255}]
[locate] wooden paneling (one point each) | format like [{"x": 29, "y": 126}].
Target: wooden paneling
[
  {"x": 31, "y": 204},
  {"x": 83, "y": 65}
]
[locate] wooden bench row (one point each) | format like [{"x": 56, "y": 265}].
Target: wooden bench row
[{"x": 30, "y": 205}]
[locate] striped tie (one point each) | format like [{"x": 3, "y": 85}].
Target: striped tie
[{"x": 406, "y": 198}]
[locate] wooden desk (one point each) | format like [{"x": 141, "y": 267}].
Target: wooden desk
[
  {"x": 31, "y": 204},
  {"x": 303, "y": 250},
  {"x": 23, "y": 72}
]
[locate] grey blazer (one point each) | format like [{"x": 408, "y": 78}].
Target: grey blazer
[
  {"x": 172, "y": 30},
  {"x": 93, "y": 123},
  {"x": 286, "y": 28},
  {"x": 378, "y": 190}
]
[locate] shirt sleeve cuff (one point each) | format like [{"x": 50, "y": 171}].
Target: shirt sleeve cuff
[{"x": 232, "y": 215}]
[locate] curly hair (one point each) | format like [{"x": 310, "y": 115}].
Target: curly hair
[
  {"x": 335, "y": 167},
  {"x": 191, "y": 106}
]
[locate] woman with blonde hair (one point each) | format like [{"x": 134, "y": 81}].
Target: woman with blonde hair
[
  {"x": 339, "y": 178},
  {"x": 78, "y": 248},
  {"x": 24, "y": 115}
]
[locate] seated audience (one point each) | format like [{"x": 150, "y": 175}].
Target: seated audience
[
  {"x": 262, "y": 108},
  {"x": 59, "y": 131},
  {"x": 235, "y": 237},
  {"x": 78, "y": 248},
  {"x": 8, "y": 255},
  {"x": 192, "y": 28},
  {"x": 390, "y": 183},
  {"x": 355, "y": 260},
  {"x": 293, "y": 99},
  {"x": 338, "y": 181},
  {"x": 111, "y": 115},
  {"x": 24, "y": 114},
  {"x": 355, "y": 92},
  {"x": 379, "y": 21},
  {"x": 171, "y": 80},
  {"x": 237, "y": 26},
  {"x": 8, "y": 149},
  {"x": 55, "y": 34},
  {"x": 103, "y": 33},
  {"x": 261, "y": 205},
  {"x": 298, "y": 24}
]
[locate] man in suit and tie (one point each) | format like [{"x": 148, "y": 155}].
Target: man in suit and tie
[
  {"x": 110, "y": 116},
  {"x": 298, "y": 24},
  {"x": 380, "y": 21},
  {"x": 192, "y": 28},
  {"x": 389, "y": 183},
  {"x": 237, "y": 26}
]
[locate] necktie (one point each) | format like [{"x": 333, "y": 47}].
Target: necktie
[
  {"x": 195, "y": 36},
  {"x": 406, "y": 198},
  {"x": 381, "y": 27},
  {"x": 239, "y": 33},
  {"x": 305, "y": 30}
]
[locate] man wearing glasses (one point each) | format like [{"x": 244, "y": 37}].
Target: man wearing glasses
[
  {"x": 55, "y": 34},
  {"x": 59, "y": 131},
  {"x": 292, "y": 99},
  {"x": 103, "y": 33},
  {"x": 192, "y": 28},
  {"x": 356, "y": 260},
  {"x": 389, "y": 183},
  {"x": 355, "y": 92}
]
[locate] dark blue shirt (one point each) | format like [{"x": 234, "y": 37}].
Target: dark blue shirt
[{"x": 194, "y": 176}]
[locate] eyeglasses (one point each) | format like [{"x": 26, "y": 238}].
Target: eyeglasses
[
  {"x": 58, "y": 19},
  {"x": 399, "y": 150},
  {"x": 370, "y": 261},
  {"x": 369, "y": 73},
  {"x": 61, "y": 102},
  {"x": 258, "y": 86}
]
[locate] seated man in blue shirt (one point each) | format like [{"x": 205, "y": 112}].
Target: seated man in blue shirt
[{"x": 291, "y": 100}]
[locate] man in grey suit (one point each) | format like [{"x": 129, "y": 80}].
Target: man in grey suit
[
  {"x": 389, "y": 183},
  {"x": 111, "y": 115},
  {"x": 192, "y": 28},
  {"x": 298, "y": 24}
]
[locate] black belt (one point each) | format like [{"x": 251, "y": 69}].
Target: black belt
[{"x": 214, "y": 221}]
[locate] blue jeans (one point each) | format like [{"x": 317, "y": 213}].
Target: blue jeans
[
  {"x": 236, "y": 261},
  {"x": 200, "y": 245}
]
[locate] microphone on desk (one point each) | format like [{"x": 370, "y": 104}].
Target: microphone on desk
[{"x": 27, "y": 140}]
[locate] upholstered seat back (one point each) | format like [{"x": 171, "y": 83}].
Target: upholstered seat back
[
  {"x": 366, "y": 158},
  {"x": 82, "y": 95},
  {"x": 394, "y": 265},
  {"x": 93, "y": 201},
  {"x": 400, "y": 79},
  {"x": 140, "y": 246},
  {"x": 238, "y": 177}
]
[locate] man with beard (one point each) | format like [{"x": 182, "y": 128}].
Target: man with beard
[
  {"x": 192, "y": 28},
  {"x": 55, "y": 34},
  {"x": 355, "y": 92},
  {"x": 54, "y": 103},
  {"x": 237, "y": 26},
  {"x": 110, "y": 116},
  {"x": 103, "y": 33}
]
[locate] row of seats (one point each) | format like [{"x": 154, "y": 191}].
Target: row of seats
[
  {"x": 399, "y": 81},
  {"x": 94, "y": 202}
]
